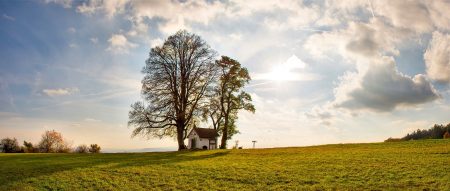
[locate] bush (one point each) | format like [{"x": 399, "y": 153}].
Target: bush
[
  {"x": 393, "y": 140},
  {"x": 94, "y": 148},
  {"x": 29, "y": 148},
  {"x": 82, "y": 149},
  {"x": 9, "y": 145}
]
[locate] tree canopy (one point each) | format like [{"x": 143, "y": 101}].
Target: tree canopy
[
  {"x": 178, "y": 74},
  {"x": 184, "y": 82}
]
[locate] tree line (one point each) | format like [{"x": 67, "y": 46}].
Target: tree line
[
  {"x": 186, "y": 83},
  {"x": 51, "y": 142},
  {"x": 438, "y": 131}
]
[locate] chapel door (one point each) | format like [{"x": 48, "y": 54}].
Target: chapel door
[{"x": 193, "y": 143}]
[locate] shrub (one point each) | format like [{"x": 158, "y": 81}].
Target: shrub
[
  {"x": 82, "y": 149},
  {"x": 29, "y": 148},
  {"x": 9, "y": 145},
  {"x": 393, "y": 140},
  {"x": 94, "y": 148}
]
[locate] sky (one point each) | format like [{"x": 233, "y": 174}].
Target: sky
[{"x": 322, "y": 71}]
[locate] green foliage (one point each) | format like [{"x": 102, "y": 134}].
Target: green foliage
[
  {"x": 436, "y": 132},
  {"x": 408, "y": 165},
  {"x": 9, "y": 145},
  {"x": 94, "y": 148},
  {"x": 230, "y": 97},
  {"x": 29, "y": 148}
]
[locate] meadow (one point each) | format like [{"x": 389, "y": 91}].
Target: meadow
[{"x": 410, "y": 165}]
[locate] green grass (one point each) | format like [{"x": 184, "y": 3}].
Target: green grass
[{"x": 412, "y": 165}]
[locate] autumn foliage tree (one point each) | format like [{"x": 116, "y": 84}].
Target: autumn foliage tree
[
  {"x": 178, "y": 75},
  {"x": 52, "y": 142}
]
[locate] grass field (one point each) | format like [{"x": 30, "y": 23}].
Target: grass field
[{"x": 412, "y": 165}]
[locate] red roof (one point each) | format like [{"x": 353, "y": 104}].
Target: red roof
[{"x": 206, "y": 133}]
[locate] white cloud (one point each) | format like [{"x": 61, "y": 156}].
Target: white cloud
[
  {"x": 71, "y": 30},
  {"x": 382, "y": 88},
  {"x": 437, "y": 57},
  {"x": 64, "y": 3},
  {"x": 358, "y": 41},
  {"x": 94, "y": 40},
  {"x": 73, "y": 45},
  {"x": 5, "y": 16},
  {"x": 60, "y": 91},
  {"x": 109, "y": 7},
  {"x": 91, "y": 120},
  {"x": 119, "y": 44},
  {"x": 439, "y": 13},
  {"x": 235, "y": 36},
  {"x": 156, "y": 42},
  {"x": 409, "y": 14}
]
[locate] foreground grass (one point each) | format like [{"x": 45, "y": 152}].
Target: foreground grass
[{"x": 412, "y": 165}]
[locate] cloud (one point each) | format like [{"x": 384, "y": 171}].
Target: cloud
[
  {"x": 73, "y": 45},
  {"x": 71, "y": 30},
  {"x": 437, "y": 57},
  {"x": 358, "y": 41},
  {"x": 110, "y": 7},
  {"x": 439, "y": 13},
  {"x": 91, "y": 120},
  {"x": 410, "y": 14},
  {"x": 64, "y": 3},
  {"x": 5, "y": 16},
  {"x": 382, "y": 88},
  {"x": 323, "y": 115},
  {"x": 60, "y": 91},
  {"x": 94, "y": 40},
  {"x": 119, "y": 44},
  {"x": 156, "y": 42}
]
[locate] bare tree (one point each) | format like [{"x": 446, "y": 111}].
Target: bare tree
[
  {"x": 177, "y": 76},
  {"x": 82, "y": 149}
]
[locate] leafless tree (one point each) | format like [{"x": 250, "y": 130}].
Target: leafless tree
[{"x": 178, "y": 74}]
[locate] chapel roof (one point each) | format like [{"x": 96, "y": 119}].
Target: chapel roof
[{"x": 206, "y": 133}]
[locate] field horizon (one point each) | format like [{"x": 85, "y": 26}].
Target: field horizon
[{"x": 409, "y": 165}]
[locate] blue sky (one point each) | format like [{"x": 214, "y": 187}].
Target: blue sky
[{"x": 323, "y": 71}]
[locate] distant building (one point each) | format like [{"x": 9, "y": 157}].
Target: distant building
[{"x": 202, "y": 138}]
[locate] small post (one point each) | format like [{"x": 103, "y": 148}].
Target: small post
[{"x": 254, "y": 144}]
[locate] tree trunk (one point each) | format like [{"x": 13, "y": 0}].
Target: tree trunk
[
  {"x": 223, "y": 144},
  {"x": 180, "y": 138}
]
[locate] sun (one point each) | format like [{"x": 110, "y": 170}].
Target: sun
[
  {"x": 280, "y": 73},
  {"x": 283, "y": 72}
]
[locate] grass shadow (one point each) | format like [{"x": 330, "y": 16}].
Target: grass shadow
[{"x": 16, "y": 168}]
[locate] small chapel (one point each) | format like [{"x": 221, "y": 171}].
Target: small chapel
[{"x": 202, "y": 138}]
